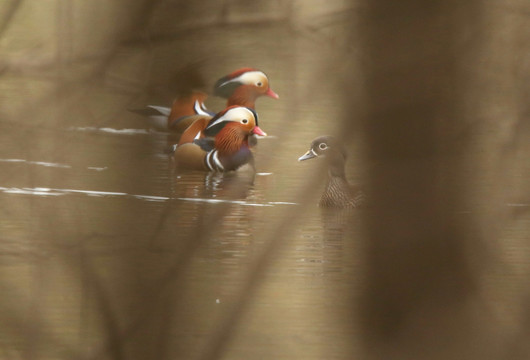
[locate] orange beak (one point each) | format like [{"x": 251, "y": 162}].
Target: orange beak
[
  {"x": 258, "y": 131},
  {"x": 272, "y": 94}
]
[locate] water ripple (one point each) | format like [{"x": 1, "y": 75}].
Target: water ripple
[
  {"x": 41, "y": 191},
  {"x": 116, "y": 131},
  {"x": 40, "y": 163}
]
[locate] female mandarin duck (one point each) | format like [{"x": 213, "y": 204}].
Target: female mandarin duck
[
  {"x": 224, "y": 143},
  {"x": 242, "y": 87},
  {"x": 338, "y": 193}
]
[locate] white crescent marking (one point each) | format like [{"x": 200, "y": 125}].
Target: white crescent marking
[
  {"x": 247, "y": 78},
  {"x": 198, "y": 107},
  {"x": 217, "y": 161}
]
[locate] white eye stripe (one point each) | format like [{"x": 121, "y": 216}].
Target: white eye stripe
[
  {"x": 248, "y": 78},
  {"x": 233, "y": 115}
]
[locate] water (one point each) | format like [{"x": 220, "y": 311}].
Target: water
[{"x": 120, "y": 237}]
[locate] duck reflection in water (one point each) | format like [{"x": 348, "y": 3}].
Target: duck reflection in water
[
  {"x": 341, "y": 232},
  {"x": 214, "y": 186}
]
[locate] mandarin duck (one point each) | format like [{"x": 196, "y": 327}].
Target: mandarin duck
[
  {"x": 242, "y": 87},
  {"x": 338, "y": 192},
  {"x": 220, "y": 143}
]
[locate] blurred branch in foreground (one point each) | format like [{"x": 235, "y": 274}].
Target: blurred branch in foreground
[{"x": 437, "y": 194}]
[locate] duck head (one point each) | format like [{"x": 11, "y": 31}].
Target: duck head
[
  {"x": 231, "y": 128},
  {"x": 329, "y": 147},
  {"x": 243, "y": 87}
]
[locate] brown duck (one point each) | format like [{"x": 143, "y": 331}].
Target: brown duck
[{"x": 338, "y": 192}]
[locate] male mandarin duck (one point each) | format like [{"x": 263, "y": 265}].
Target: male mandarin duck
[
  {"x": 242, "y": 87},
  {"x": 338, "y": 192},
  {"x": 220, "y": 143}
]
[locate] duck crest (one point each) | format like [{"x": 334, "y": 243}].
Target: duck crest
[
  {"x": 240, "y": 72},
  {"x": 243, "y": 87},
  {"x": 231, "y": 79}
]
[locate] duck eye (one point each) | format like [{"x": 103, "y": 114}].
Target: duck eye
[
  {"x": 259, "y": 83},
  {"x": 322, "y": 146},
  {"x": 244, "y": 121}
]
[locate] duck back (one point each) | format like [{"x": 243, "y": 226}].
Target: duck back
[{"x": 338, "y": 193}]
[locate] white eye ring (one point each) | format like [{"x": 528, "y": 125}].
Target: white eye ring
[
  {"x": 322, "y": 146},
  {"x": 244, "y": 121},
  {"x": 259, "y": 84}
]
